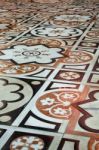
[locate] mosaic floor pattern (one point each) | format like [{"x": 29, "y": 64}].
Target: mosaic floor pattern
[{"x": 49, "y": 76}]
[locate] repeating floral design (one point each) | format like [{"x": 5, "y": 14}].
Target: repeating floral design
[
  {"x": 70, "y": 20},
  {"x": 8, "y": 67},
  {"x": 56, "y": 32},
  {"x": 69, "y": 75},
  {"x": 58, "y": 104},
  {"x": 42, "y": 41},
  {"x": 40, "y": 54},
  {"x": 27, "y": 142},
  {"x": 79, "y": 57},
  {"x": 49, "y": 75}
]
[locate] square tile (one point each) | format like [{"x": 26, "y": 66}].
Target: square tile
[
  {"x": 52, "y": 109},
  {"x": 67, "y": 75},
  {"x": 32, "y": 140}
]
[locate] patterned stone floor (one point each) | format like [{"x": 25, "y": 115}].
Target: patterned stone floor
[{"x": 49, "y": 76}]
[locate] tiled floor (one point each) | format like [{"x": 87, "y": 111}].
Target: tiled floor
[{"x": 49, "y": 77}]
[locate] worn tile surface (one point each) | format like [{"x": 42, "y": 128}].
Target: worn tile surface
[{"x": 49, "y": 75}]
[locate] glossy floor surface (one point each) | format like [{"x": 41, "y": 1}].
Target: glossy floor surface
[{"x": 49, "y": 76}]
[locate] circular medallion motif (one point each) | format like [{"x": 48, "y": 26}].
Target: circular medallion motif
[
  {"x": 69, "y": 20},
  {"x": 56, "y": 32},
  {"x": 78, "y": 57},
  {"x": 58, "y": 104},
  {"x": 52, "y": 43},
  {"x": 27, "y": 143},
  {"x": 7, "y": 67}
]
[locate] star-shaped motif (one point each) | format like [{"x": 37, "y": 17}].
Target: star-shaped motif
[{"x": 25, "y": 54}]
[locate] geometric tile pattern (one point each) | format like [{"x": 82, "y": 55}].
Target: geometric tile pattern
[{"x": 49, "y": 76}]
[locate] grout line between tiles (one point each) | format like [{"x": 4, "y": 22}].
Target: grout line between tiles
[
  {"x": 89, "y": 70},
  {"x": 26, "y": 32},
  {"x": 27, "y": 108},
  {"x": 83, "y": 35}
]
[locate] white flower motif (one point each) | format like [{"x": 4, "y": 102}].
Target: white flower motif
[
  {"x": 25, "y": 54},
  {"x": 47, "y": 101},
  {"x": 59, "y": 111},
  {"x": 68, "y": 95},
  {"x": 64, "y": 112},
  {"x": 10, "y": 71},
  {"x": 58, "y": 104},
  {"x": 72, "y": 18},
  {"x": 69, "y": 75},
  {"x": 38, "y": 146},
  {"x": 29, "y": 140},
  {"x": 56, "y": 32},
  {"x": 26, "y": 68},
  {"x": 17, "y": 142},
  {"x": 67, "y": 103}
]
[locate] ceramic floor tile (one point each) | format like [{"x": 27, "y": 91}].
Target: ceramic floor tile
[
  {"x": 52, "y": 109},
  {"x": 48, "y": 54},
  {"x": 67, "y": 75},
  {"x": 31, "y": 140},
  {"x": 34, "y": 51},
  {"x": 49, "y": 75},
  {"x": 30, "y": 70},
  {"x": 14, "y": 23},
  {"x": 59, "y": 108}
]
